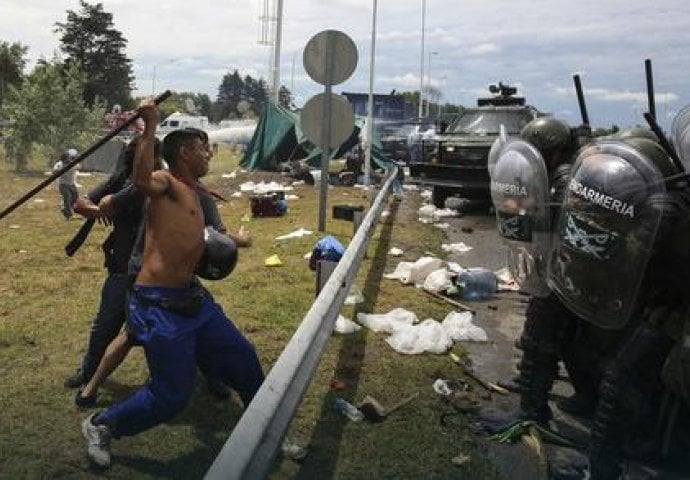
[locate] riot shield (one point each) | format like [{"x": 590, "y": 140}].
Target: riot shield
[
  {"x": 520, "y": 194},
  {"x": 496, "y": 147},
  {"x": 605, "y": 233},
  {"x": 680, "y": 135}
]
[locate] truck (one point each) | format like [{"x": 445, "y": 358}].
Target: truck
[{"x": 456, "y": 163}]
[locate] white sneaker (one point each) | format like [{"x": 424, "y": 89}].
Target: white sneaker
[{"x": 97, "y": 442}]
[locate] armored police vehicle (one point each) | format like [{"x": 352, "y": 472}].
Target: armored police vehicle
[{"x": 457, "y": 164}]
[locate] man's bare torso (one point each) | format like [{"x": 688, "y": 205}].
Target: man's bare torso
[{"x": 174, "y": 236}]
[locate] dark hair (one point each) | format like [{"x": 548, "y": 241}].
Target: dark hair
[
  {"x": 177, "y": 139},
  {"x": 131, "y": 149}
]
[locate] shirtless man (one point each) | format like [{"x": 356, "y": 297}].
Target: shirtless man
[{"x": 171, "y": 315}]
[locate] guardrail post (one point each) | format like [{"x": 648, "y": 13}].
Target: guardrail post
[{"x": 324, "y": 268}]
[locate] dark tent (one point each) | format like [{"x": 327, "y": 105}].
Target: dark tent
[{"x": 279, "y": 138}]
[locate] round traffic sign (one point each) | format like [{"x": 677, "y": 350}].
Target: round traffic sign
[
  {"x": 342, "y": 119},
  {"x": 330, "y": 57}
]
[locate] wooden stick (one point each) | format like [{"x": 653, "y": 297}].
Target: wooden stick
[{"x": 450, "y": 300}]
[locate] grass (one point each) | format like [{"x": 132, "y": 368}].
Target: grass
[{"x": 48, "y": 300}]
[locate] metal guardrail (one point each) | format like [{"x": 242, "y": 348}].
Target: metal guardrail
[{"x": 252, "y": 446}]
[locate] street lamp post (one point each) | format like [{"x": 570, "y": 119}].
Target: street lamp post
[
  {"x": 153, "y": 77},
  {"x": 421, "y": 64},
  {"x": 428, "y": 85}
]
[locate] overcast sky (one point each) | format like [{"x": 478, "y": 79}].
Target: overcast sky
[{"x": 535, "y": 44}]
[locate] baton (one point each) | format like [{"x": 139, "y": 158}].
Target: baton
[
  {"x": 163, "y": 96},
  {"x": 581, "y": 99},
  {"x": 663, "y": 141}
]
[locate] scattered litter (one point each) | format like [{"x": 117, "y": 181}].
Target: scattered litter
[
  {"x": 390, "y": 322},
  {"x": 291, "y": 197},
  {"x": 273, "y": 261},
  {"x": 300, "y": 232},
  {"x": 232, "y": 174},
  {"x": 438, "y": 280},
  {"x": 427, "y": 211},
  {"x": 293, "y": 451},
  {"x": 408, "y": 272},
  {"x": 426, "y": 220},
  {"x": 83, "y": 174},
  {"x": 297, "y": 183},
  {"x": 426, "y": 194},
  {"x": 14, "y": 226},
  {"x": 506, "y": 280},
  {"x": 245, "y": 218},
  {"x": 385, "y": 213},
  {"x": 345, "y": 325},
  {"x": 262, "y": 187},
  {"x": 445, "y": 212},
  {"x": 441, "y": 387},
  {"x": 236, "y": 194},
  {"x": 39, "y": 200},
  {"x": 442, "y": 226},
  {"x": 409, "y": 186},
  {"x": 354, "y": 296},
  {"x": 328, "y": 248},
  {"x": 461, "y": 459},
  {"x": 459, "y": 327},
  {"x": 395, "y": 251},
  {"x": 455, "y": 247},
  {"x": 21, "y": 251},
  {"x": 454, "y": 267},
  {"x": 375, "y": 412},
  {"x": 428, "y": 336}
]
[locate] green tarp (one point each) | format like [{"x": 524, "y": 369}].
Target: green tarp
[{"x": 279, "y": 138}]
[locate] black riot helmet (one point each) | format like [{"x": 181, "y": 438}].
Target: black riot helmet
[
  {"x": 220, "y": 256},
  {"x": 549, "y": 134}
]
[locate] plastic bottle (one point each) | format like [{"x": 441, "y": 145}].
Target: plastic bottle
[
  {"x": 346, "y": 408},
  {"x": 476, "y": 283}
]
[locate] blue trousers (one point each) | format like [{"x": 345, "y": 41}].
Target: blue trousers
[
  {"x": 108, "y": 321},
  {"x": 172, "y": 344}
]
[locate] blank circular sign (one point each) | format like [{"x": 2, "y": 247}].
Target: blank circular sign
[
  {"x": 330, "y": 57},
  {"x": 342, "y": 119}
]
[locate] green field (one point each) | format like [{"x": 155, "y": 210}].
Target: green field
[{"x": 47, "y": 301}]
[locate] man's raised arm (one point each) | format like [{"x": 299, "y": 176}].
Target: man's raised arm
[{"x": 146, "y": 181}]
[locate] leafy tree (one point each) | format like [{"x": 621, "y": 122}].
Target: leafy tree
[
  {"x": 90, "y": 40},
  {"x": 239, "y": 97},
  {"x": 48, "y": 110},
  {"x": 12, "y": 63}
]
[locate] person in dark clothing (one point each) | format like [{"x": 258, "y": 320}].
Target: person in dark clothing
[{"x": 116, "y": 249}]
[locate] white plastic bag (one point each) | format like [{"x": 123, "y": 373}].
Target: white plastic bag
[
  {"x": 438, "y": 280},
  {"x": 345, "y": 325},
  {"x": 428, "y": 336},
  {"x": 459, "y": 326},
  {"x": 388, "y": 322}
]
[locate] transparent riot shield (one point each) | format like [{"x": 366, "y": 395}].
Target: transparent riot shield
[
  {"x": 605, "y": 233},
  {"x": 520, "y": 194}
]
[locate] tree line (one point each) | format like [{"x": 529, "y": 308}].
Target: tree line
[{"x": 61, "y": 103}]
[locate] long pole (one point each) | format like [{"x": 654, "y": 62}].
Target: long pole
[
  {"x": 276, "y": 51},
  {"x": 79, "y": 158},
  {"x": 370, "y": 106},
  {"x": 428, "y": 85},
  {"x": 421, "y": 65}
]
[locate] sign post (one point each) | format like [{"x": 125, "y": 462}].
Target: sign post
[{"x": 330, "y": 58}]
